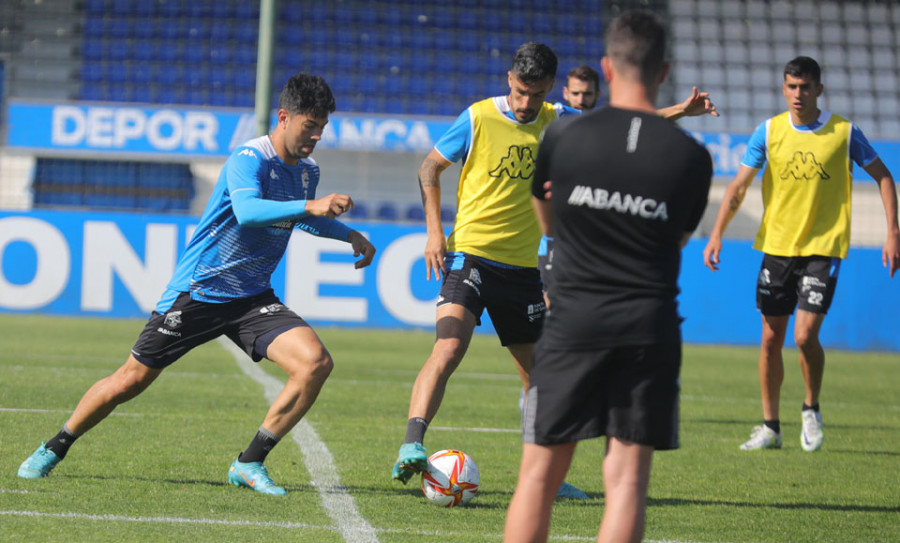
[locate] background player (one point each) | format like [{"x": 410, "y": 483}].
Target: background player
[
  {"x": 628, "y": 189},
  {"x": 582, "y": 88},
  {"x": 805, "y": 232},
  {"x": 221, "y": 284}
]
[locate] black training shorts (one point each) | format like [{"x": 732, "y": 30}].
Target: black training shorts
[
  {"x": 252, "y": 323},
  {"x": 512, "y": 297},
  {"x": 805, "y": 282},
  {"x": 630, "y": 393}
]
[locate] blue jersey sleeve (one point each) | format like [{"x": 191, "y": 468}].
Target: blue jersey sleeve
[
  {"x": 755, "y": 156},
  {"x": 324, "y": 227},
  {"x": 861, "y": 151},
  {"x": 454, "y": 144},
  {"x": 250, "y": 209}
]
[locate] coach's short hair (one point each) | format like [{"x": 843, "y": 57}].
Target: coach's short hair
[
  {"x": 637, "y": 40},
  {"x": 307, "y": 93},
  {"x": 534, "y": 62},
  {"x": 801, "y": 66}
]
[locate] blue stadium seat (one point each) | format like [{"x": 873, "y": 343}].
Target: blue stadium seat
[
  {"x": 96, "y": 7},
  {"x": 387, "y": 212},
  {"x": 92, "y": 49},
  {"x": 360, "y": 211},
  {"x": 415, "y": 213}
]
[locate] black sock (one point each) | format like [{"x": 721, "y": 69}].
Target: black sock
[
  {"x": 415, "y": 430},
  {"x": 813, "y": 407},
  {"x": 61, "y": 442},
  {"x": 259, "y": 448},
  {"x": 774, "y": 425}
]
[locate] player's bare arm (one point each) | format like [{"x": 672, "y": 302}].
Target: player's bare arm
[
  {"x": 543, "y": 210},
  {"x": 430, "y": 187},
  {"x": 731, "y": 202},
  {"x": 361, "y": 247},
  {"x": 698, "y": 103},
  {"x": 890, "y": 252},
  {"x": 331, "y": 206}
]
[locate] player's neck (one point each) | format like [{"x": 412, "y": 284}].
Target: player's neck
[
  {"x": 806, "y": 118},
  {"x": 625, "y": 94}
]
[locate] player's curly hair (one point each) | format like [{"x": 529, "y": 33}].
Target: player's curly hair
[
  {"x": 308, "y": 94},
  {"x": 534, "y": 62}
]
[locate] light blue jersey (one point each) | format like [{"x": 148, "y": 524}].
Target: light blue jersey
[{"x": 245, "y": 228}]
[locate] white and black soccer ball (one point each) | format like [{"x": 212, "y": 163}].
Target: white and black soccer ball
[{"x": 452, "y": 478}]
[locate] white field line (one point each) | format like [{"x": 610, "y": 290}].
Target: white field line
[
  {"x": 484, "y": 430},
  {"x": 56, "y": 411},
  {"x": 282, "y": 525},
  {"x": 338, "y": 503}
]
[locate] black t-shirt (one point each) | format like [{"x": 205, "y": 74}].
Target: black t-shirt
[{"x": 626, "y": 188}]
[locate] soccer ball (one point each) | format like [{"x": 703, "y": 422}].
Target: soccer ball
[{"x": 452, "y": 478}]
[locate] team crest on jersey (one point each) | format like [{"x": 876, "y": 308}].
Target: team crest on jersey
[
  {"x": 272, "y": 174},
  {"x": 804, "y": 166},
  {"x": 304, "y": 178},
  {"x": 517, "y": 164},
  {"x": 247, "y": 152},
  {"x": 173, "y": 319}
]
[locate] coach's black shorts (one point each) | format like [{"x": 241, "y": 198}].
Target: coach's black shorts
[
  {"x": 512, "y": 297},
  {"x": 805, "y": 282},
  {"x": 630, "y": 393},
  {"x": 252, "y": 323}
]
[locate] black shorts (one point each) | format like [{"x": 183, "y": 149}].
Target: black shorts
[
  {"x": 628, "y": 392},
  {"x": 545, "y": 263},
  {"x": 805, "y": 282},
  {"x": 512, "y": 297},
  {"x": 252, "y": 323}
]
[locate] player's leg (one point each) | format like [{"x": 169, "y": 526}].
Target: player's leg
[
  {"x": 775, "y": 299},
  {"x": 815, "y": 294},
  {"x": 542, "y": 470},
  {"x": 454, "y": 328},
  {"x": 812, "y": 355},
  {"x": 626, "y": 477},
  {"x": 96, "y": 404},
  {"x": 771, "y": 363},
  {"x": 268, "y": 328}
]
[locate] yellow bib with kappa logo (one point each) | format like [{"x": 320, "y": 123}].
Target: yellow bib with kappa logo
[
  {"x": 806, "y": 189},
  {"x": 494, "y": 217}
]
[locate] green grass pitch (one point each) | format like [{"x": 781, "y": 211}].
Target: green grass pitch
[{"x": 155, "y": 470}]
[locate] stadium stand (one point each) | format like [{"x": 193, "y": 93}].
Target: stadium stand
[{"x": 413, "y": 58}]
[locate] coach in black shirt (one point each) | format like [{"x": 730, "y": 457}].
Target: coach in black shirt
[{"x": 628, "y": 188}]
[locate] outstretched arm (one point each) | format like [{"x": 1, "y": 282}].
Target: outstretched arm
[
  {"x": 734, "y": 195},
  {"x": 890, "y": 253},
  {"x": 698, "y": 103},
  {"x": 430, "y": 186}
]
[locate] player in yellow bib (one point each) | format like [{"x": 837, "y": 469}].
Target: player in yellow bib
[
  {"x": 804, "y": 235},
  {"x": 489, "y": 260}
]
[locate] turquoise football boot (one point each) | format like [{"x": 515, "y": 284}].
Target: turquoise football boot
[
  {"x": 412, "y": 459},
  {"x": 39, "y": 464},
  {"x": 255, "y": 476}
]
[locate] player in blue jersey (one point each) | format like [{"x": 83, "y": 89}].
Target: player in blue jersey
[{"x": 221, "y": 285}]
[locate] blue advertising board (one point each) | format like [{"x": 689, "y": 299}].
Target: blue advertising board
[
  {"x": 117, "y": 265},
  {"x": 180, "y": 133}
]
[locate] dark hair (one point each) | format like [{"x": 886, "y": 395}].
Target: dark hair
[
  {"x": 801, "y": 66},
  {"x": 534, "y": 62},
  {"x": 306, "y": 93},
  {"x": 586, "y": 74},
  {"x": 637, "y": 39}
]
